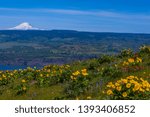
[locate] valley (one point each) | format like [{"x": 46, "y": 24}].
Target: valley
[{"x": 41, "y": 47}]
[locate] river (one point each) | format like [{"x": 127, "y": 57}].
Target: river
[{"x": 11, "y": 67}]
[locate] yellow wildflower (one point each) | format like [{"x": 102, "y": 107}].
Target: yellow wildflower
[
  {"x": 76, "y": 73},
  {"x": 3, "y": 76},
  {"x": 125, "y": 63},
  {"x": 141, "y": 79},
  {"x": 130, "y": 60},
  {"x": 130, "y": 77},
  {"x": 145, "y": 84},
  {"x": 139, "y": 60},
  {"x": 61, "y": 71},
  {"x": 41, "y": 75},
  {"x": 118, "y": 88},
  {"x": 124, "y": 94},
  {"x": 124, "y": 81},
  {"x": 109, "y": 92},
  {"x": 11, "y": 74},
  {"x": 84, "y": 72},
  {"x": 24, "y": 88},
  {"x": 67, "y": 66},
  {"x": 89, "y": 97},
  {"x": 23, "y": 81},
  {"x": 117, "y": 84},
  {"x": 128, "y": 85},
  {"x": 133, "y": 82},
  {"x": 142, "y": 90},
  {"x": 111, "y": 85},
  {"x": 136, "y": 87},
  {"x": 119, "y": 81},
  {"x": 136, "y": 77},
  {"x": 73, "y": 78},
  {"x": 47, "y": 75},
  {"x": 147, "y": 89}
]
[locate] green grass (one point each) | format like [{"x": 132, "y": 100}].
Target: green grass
[{"x": 55, "y": 81}]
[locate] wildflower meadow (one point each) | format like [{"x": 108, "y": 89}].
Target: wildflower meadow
[{"x": 125, "y": 76}]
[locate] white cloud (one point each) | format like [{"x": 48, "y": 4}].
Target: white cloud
[
  {"x": 97, "y": 13},
  {"x": 100, "y": 13}
]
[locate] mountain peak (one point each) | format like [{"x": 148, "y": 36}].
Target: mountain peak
[{"x": 24, "y": 26}]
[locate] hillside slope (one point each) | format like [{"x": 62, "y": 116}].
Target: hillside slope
[{"x": 122, "y": 76}]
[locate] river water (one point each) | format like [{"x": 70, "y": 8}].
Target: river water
[{"x": 11, "y": 67}]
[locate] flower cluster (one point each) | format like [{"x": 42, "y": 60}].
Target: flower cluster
[
  {"x": 132, "y": 61},
  {"x": 47, "y": 76},
  {"x": 130, "y": 87},
  {"x": 78, "y": 83},
  {"x": 76, "y": 74}
]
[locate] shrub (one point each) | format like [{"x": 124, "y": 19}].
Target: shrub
[
  {"x": 112, "y": 72},
  {"x": 126, "y": 53},
  {"x": 105, "y": 59},
  {"x": 93, "y": 65},
  {"x": 132, "y": 64},
  {"x": 145, "y": 49},
  {"x": 78, "y": 83},
  {"x": 22, "y": 87}
]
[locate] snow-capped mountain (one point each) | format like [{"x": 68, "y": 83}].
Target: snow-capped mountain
[{"x": 24, "y": 26}]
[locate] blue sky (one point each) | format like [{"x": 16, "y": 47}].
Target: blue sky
[{"x": 83, "y": 15}]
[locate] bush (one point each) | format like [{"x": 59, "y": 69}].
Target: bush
[
  {"x": 78, "y": 83},
  {"x": 145, "y": 49},
  {"x": 126, "y": 53},
  {"x": 105, "y": 59},
  {"x": 93, "y": 65},
  {"x": 22, "y": 87},
  {"x": 112, "y": 72},
  {"x": 132, "y": 64}
]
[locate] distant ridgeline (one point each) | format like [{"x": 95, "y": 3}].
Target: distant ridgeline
[{"x": 35, "y": 47}]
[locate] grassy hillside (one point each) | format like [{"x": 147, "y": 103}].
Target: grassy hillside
[{"x": 122, "y": 76}]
